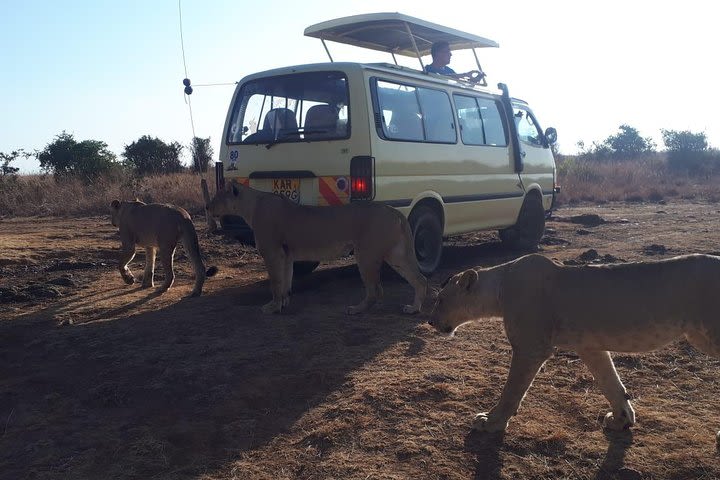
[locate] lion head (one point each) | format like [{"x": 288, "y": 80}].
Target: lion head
[
  {"x": 226, "y": 200},
  {"x": 465, "y": 297}
]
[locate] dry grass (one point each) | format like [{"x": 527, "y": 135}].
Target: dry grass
[
  {"x": 43, "y": 195},
  {"x": 582, "y": 181},
  {"x": 644, "y": 179}
]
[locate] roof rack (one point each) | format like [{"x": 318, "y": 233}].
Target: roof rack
[{"x": 395, "y": 33}]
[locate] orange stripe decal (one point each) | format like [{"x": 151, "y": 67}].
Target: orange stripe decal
[{"x": 326, "y": 192}]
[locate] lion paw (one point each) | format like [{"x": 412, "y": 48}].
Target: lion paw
[
  {"x": 410, "y": 309},
  {"x": 612, "y": 423},
  {"x": 272, "y": 307},
  {"x": 485, "y": 423},
  {"x": 355, "y": 309}
]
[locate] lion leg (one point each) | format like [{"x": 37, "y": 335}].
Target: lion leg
[
  {"x": 149, "y": 267},
  {"x": 287, "y": 281},
  {"x": 126, "y": 256},
  {"x": 192, "y": 248},
  {"x": 601, "y": 366},
  {"x": 166, "y": 259},
  {"x": 370, "y": 275},
  {"x": 403, "y": 261},
  {"x": 276, "y": 274},
  {"x": 707, "y": 342},
  {"x": 523, "y": 369}
]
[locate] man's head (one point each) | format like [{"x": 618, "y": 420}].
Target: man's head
[{"x": 440, "y": 52}]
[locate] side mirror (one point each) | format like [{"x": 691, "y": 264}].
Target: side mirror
[{"x": 551, "y": 135}]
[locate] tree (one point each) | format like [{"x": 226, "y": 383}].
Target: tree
[
  {"x": 7, "y": 158},
  {"x": 684, "y": 141},
  {"x": 688, "y": 153},
  {"x": 629, "y": 143},
  {"x": 202, "y": 153},
  {"x": 66, "y": 156},
  {"x": 149, "y": 155},
  {"x": 626, "y": 144}
]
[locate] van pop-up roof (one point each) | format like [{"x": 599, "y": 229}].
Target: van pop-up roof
[{"x": 395, "y": 33}]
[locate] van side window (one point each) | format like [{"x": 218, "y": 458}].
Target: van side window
[
  {"x": 413, "y": 114},
  {"x": 528, "y": 129},
  {"x": 438, "y": 116},
  {"x": 480, "y": 121}
]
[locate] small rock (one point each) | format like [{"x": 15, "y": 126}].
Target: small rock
[
  {"x": 655, "y": 249},
  {"x": 582, "y": 231},
  {"x": 588, "y": 219},
  {"x": 62, "y": 282},
  {"x": 589, "y": 255}
]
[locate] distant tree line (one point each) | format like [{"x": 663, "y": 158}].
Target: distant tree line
[
  {"x": 65, "y": 156},
  {"x": 687, "y": 152}
]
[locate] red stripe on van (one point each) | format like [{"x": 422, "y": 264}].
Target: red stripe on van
[{"x": 327, "y": 193}]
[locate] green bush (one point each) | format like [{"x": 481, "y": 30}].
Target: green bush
[
  {"x": 152, "y": 156},
  {"x": 65, "y": 156}
]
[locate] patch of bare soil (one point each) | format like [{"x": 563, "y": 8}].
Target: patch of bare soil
[{"x": 103, "y": 380}]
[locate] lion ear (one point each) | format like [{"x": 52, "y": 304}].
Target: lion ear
[
  {"x": 468, "y": 279},
  {"x": 115, "y": 204}
]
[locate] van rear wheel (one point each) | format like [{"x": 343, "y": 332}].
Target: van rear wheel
[
  {"x": 427, "y": 238},
  {"x": 525, "y": 235}
]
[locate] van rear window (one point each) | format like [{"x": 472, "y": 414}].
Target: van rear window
[{"x": 301, "y": 107}]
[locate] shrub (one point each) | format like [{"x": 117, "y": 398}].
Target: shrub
[
  {"x": 67, "y": 157},
  {"x": 151, "y": 156}
]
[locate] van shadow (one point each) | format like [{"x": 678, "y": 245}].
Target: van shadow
[{"x": 183, "y": 390}]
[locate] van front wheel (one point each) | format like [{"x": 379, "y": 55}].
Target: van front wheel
[
  {"x": 527, "y": 232},
  {"x": 427, "y": 238}
]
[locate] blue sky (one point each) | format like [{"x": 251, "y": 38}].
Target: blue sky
[{"x": 113, "y": 71}]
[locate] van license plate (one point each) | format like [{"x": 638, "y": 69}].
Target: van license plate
[{"x": 289, "y": 187}]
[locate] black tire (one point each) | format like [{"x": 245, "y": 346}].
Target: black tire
[
  {"x": 234, "y": 226},
  {"x": 300, "y": 269},
  {"x": 525, "y": 235},
  {"x": 427, "y": 238}
]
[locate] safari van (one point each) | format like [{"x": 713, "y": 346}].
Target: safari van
[{"x": 451, "y": 155}]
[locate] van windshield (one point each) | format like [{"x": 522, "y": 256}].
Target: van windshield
[{"x": 301, "y": 107}]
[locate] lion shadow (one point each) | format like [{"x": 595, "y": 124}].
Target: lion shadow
[{"x": 487, "y": 448}]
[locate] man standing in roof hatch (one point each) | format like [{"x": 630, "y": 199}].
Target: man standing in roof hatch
[{"x": 441, "y": 55}]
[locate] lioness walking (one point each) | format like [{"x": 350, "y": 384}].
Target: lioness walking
[
  {"x": 633, "y": 307},
  {"x": 286, "y": 232},
  {"x": 158, "y": 228}
]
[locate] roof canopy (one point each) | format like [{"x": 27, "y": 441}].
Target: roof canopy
[{"x": 390, "y": 32}]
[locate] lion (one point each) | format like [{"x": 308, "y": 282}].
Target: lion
[
  {"x": 157, "y": 227},
  {"x": 286, "y": 232},
  {"x": 632, "y": 307}
]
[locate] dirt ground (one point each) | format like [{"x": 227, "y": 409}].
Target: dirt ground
[{"x": 103, "y": 380}]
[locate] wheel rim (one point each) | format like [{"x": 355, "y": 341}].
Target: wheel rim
[{"x": 426, "y": 246}]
